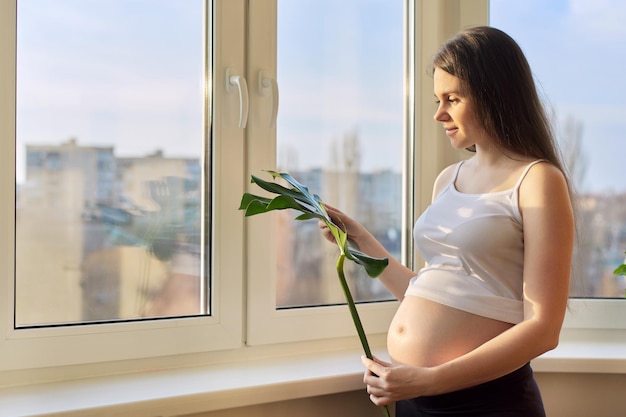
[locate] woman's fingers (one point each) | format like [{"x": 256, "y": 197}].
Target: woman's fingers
[
  {"x": 382, "y": 362},
  {"x": 326, "y": 231},
  {"x": 375, "y": 366}
]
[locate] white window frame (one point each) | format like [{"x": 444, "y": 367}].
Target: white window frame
[
  {"x": 233, "y": 322},
  {"x": 265, "y": 323},
  {"x": 70, "y": 345}
]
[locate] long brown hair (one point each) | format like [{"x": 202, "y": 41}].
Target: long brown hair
[{"x": 495, "y": 73}]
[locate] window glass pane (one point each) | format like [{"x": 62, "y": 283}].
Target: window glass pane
[
  {"x": 576, "y": 49},
  {"x": 339, "y": 131},
  {"x": 109, "y": 144}
]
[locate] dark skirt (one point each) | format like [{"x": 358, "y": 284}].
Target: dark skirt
[{"x": 513, "y": 395}]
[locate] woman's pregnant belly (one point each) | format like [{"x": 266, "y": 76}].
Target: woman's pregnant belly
[{"x": 426, "y": 333}]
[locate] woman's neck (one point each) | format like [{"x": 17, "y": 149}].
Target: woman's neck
[{"x": 490, "y": 155}]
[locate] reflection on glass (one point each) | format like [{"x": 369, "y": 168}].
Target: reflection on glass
[
  {"x": 339, "y": 131},
  {"x": 108, "y": 214},
  {"x": 589, "y": 123}
]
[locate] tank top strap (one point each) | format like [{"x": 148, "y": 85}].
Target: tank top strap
[
  {"x": 457, "y": 168},
  {"x": 521, "y": 178}
]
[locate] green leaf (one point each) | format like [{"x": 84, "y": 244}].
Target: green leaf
[
  {"x": 340, "y": 236},
  {"x": 287, "y": 202},
  {"x": 309, "y": 216},
  {"x": 373, "y": 266},
  {"x": 620, "y": 270},
  {"x": 300, "y": 193},
  {"x": 313, "y": 199},
  {"x": 247, "y": 198},
  {"x": 256, "y": 207},
  {"x": 310, "y": 205},
  {"x": 275, "y": 188},
  {"x": 291, "y": 180}
]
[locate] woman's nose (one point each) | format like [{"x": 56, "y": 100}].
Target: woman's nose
[{"x": 440, "y": 115}]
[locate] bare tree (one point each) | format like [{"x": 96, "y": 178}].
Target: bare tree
[{"x": 574, "y": 156}]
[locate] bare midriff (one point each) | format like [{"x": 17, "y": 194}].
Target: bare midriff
[{"x": 426, "y": 333}]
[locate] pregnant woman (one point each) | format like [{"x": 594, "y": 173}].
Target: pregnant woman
[{"x": 497, "y": 241}]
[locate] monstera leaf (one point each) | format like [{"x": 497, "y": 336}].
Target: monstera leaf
[{"x": 297, "y": 197}]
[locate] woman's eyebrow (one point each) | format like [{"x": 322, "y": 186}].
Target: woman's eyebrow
[{"x": 447, "y": 93}]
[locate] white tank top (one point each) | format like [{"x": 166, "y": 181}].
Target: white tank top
[{"x": 474, "y": 247}]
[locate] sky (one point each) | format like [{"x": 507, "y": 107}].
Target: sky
[
  {"x": 128, "y": 73},
  {"x": 576, "y": 50},
  {"x": 349, "y": 81}
]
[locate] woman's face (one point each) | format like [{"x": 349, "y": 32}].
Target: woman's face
[{"x": 455, "y": 111}]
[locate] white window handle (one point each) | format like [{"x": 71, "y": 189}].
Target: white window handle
[
  {"x": 239, "y": 82},
  {"x": 271, "y": 83}
]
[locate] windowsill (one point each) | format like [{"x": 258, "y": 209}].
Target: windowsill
[
  {"x": 189, "y": 390},
  {"x": 206, "y": 388},
  {"x": 601, "y": 351}
]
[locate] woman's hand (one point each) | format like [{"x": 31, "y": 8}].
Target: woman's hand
[
  {"x": 388, "y": 383},
  {"x": 396, "y": 276},
  {"x": 354, "y": 229}
]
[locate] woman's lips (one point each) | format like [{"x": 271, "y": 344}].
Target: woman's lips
[{"x": 451, "y": 131}]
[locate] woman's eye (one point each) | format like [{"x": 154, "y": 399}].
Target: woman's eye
[{"x": 448, "y": 100}]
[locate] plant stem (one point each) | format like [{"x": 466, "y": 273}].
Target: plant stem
[
  {"x": 355, "y": 315},
  {"x": 353, "y": 311}
]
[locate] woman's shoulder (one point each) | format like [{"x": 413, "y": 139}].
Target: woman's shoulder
[
  {"x": 542, "y": 181},
  {"x": 544, "y": 172}
]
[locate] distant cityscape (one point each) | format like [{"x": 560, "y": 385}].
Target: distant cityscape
[
  {"x": 116, "y": 238},
  {"x": 119, "y": 237}
]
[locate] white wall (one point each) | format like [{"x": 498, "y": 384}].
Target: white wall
[{"x": 583, "y": 395}]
